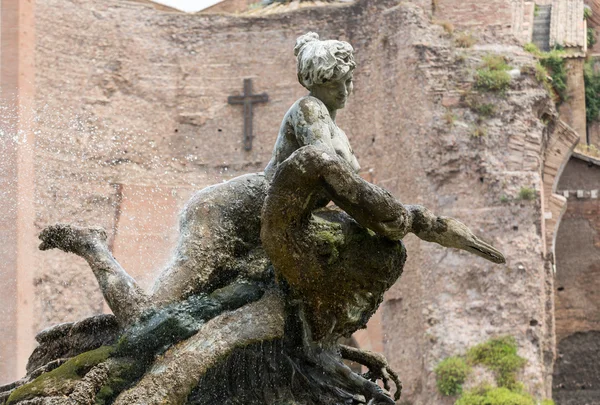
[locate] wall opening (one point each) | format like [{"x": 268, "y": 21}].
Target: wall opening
[{"x": 576, "y": 376}]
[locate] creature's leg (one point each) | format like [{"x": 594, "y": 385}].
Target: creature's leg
[
  {"x": 124, "y": 297},
  {"x": 379, "y": 369},
  {"x": 331, "y": 364},
  {"x": 333, "y": 367}
]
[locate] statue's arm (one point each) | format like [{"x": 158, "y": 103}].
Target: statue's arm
[{"x": 449, "y": 232}]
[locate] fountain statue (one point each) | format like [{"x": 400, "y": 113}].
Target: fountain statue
[{"x": 266, "y": 278}]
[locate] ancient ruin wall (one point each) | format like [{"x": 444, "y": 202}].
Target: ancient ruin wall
[
  {"x": 475, "y": 14},
  {"x": 572, "y": 110},
  {"x": 489, "y": 21},
  {"x": 129, "y": 97}
]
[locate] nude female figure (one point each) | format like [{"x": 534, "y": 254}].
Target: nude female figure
[{"x": 220, "y": 228}]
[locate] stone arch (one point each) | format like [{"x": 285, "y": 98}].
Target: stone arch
[{"x": 559, "y": 148}]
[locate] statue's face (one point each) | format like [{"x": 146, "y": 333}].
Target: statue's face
[{"x": 334, "y": 93}]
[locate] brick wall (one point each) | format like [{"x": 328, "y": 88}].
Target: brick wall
[
  {"x": 578, "y": 268},
  {"x": 493, "y": 17},
  {"x": 577, "y": 286},
  {"x": 572, "y": 110}
]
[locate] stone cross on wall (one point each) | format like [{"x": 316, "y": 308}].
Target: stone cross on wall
[{"x": 248, "y": 99}]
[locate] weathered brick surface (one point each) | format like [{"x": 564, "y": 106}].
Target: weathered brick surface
[
  {"x": 594, "y": 132},
  {"x": 579, "y": 175},
  {"x": 493, "y": 18},
  {"x": 577, "y": 285},
  {"x": 145, "y": 233},
  {"x": 572, "y": 111}
]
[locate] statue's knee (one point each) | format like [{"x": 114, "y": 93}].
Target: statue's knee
[{"x": 310, "y": 159}]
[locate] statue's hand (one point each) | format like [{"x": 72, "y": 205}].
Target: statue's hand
[
  {"x": 458, "y": 235},
  {"x": 379, "y": 369}
]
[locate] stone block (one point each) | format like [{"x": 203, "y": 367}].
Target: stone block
[{"x": 449, "y": 101}]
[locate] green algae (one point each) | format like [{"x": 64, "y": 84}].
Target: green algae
[
  {"x": 61, "y": 380},
  {"x": 123, "y": 373}
]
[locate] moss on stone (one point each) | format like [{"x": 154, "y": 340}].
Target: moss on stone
[
  {"x": 450, "y": 374},
  {"x": 337, "y": 279},
  {"x": 492, "y": 80},
  {"x": 495, "y": 62},
  {"x": 330, "y": 241},
  {"x": 554, "y": 62},
  {"x": 500, "y": 356},
  {"x": 123, "y": 373},
  {"x": 495, "y": 396},
  {"x": 527, "y": 194},
  {"x": 531, "y": 48},
  {"x": 61, "y": 380},
  {"x": 493, "y": 75}
]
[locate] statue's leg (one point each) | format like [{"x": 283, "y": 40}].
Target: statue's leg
[
  {"x": 124, "y": 297},
  {"x": 309, "y": 172},
  {"x": 192, "y": 262},
  {"x": 219, "y": 225},
  {"x": 177, "y": 372}
]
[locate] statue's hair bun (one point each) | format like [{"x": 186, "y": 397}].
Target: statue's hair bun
[{"x": 303, "y": 40}]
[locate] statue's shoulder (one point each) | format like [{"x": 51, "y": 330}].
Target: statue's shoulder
[{"x": 310, "y": 109}]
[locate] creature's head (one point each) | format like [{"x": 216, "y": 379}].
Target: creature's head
[{"x": 325, "y": 68}]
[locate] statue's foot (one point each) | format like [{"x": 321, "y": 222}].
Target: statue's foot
[{"x": 72, "y": 239}]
